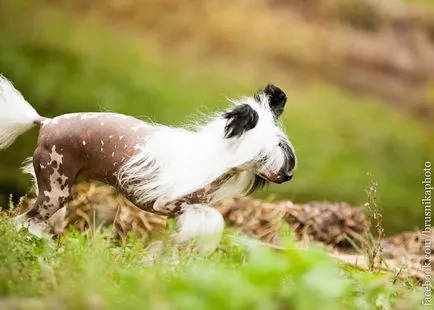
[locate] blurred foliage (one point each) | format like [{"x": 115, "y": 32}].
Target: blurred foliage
[
  {"x": 65, "y": 63},
  {"x": 79, "y": 272},
  {"x": 347, "y": 42}
]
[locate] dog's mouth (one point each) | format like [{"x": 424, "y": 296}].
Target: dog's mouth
[{"x": 277, "y": 178}]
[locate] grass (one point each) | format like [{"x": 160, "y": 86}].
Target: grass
[
  {"x": 91, "y": 272},
  {"x": 63, "y": 63}
]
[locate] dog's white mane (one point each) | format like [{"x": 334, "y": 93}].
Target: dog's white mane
[{"x": 173, "y": 162}]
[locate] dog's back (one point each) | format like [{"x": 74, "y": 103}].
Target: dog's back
[{"x": 97, "y": 143}]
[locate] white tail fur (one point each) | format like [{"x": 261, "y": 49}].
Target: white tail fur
[
  {"x": 202, "y": 225},
  {"x": 16, "y": 114}
]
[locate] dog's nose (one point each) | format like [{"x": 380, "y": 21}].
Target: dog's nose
[
  {"x": 289, "y": 176},
  {"x": 284, "y": 177}
]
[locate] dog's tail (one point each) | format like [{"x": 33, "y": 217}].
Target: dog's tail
[{"x": 16, "y": 114}]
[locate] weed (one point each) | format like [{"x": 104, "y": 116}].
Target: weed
[{"x": 373, "y": 243}]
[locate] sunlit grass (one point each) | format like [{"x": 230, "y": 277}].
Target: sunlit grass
[{"x": 79, "y": 272}]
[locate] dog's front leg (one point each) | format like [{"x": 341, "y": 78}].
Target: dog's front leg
[{"x": 197, "y": 224}]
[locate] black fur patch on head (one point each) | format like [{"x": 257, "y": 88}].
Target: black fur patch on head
[
  {"x": 258, "y": 182},
  {"x": 239, "y": 120},
  {"x": 276, "y": 98}
]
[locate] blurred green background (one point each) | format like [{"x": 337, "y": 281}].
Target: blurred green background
[{"x": 359, "y": 78}]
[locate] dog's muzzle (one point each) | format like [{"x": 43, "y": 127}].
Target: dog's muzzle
[{"x": 285, "y": 173}]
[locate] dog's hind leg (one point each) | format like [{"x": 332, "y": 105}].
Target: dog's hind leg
[{"x": 55, "y": 177}]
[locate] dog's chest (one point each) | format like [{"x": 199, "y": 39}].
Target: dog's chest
[{"x": 205, "y": 195}]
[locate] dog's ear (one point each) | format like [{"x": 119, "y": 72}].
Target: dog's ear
[
  {"x": 276, "y": 99},
  {"x": 239, "y": 120}
]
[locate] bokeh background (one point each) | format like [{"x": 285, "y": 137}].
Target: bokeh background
[{"x": 359, "y": 75}]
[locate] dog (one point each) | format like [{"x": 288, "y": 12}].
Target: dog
[{"x": 176, "y": 172}]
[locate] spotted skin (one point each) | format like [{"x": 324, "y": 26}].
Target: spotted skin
[
  {"x": 80, "y": 145},
  {"x": 54, "y": 181},
  {"x": 94, "y": 146},
  {"x": 203, "y": 196}
]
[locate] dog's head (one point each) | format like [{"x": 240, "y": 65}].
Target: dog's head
[{"x": 266, "y": 149}]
